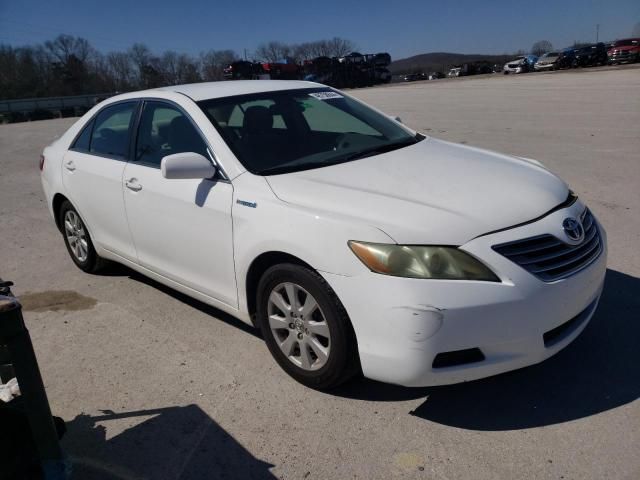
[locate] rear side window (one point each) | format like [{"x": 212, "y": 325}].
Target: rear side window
[
  {"x": 111, "y": 130},
  {"x": 84, "y": 139},
  {"x": 165, "y": 130}
]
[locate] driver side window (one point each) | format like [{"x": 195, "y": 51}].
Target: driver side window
[{"x": 165, "y": 130}]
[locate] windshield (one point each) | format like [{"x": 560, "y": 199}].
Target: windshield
[
  {"x": 551, "y": 54},
  {"x": 292, "y": 130}
]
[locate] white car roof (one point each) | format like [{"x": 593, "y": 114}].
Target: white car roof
[{"x": 228, "y": 88}]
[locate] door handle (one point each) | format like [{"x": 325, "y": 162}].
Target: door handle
[
  {"x": 70, "y": 165},
  {"x": 132, "y": 184}
]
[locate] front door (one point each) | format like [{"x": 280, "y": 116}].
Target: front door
[{"x": 181, "y": 228}]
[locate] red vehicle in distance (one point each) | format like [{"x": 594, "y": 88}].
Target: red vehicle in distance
[{"x": 624, "y": 51}]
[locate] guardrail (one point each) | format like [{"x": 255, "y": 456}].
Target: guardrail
[{"x": 49, "y": 107}]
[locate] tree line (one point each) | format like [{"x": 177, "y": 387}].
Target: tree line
[{"x": 69, "y": 65}]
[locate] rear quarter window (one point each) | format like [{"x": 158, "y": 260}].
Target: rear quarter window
[
  {"x": 83, "y": 140},
  {"x": 111, "y": 130}
]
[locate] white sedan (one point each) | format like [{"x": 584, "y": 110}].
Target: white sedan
[{"x": 354, "y": 243}]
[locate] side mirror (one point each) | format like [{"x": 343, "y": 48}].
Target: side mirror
[{"x": 186, "y": 165}]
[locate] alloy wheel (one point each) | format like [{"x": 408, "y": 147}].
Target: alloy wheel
[
  {"x": 76, "y": 236},
  {"x": 299, "y": 326}
]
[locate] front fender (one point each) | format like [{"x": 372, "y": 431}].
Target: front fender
[{"x": 263, "y": 223}]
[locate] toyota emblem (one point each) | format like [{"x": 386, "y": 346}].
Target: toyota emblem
[{"x": 573, "y": 229}]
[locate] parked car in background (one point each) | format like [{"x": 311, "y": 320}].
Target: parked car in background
[
  {"x": 272, "y": 201},
  {"x": 522, "y": 64},
  {"x": 555, "y": 60},
  {"x": 413, "y": 77},
  {"x": 482, "y": 68},
  {"x": 454, "y": 72},
  {"x": 436, "y": 75},
  {"x": 590, "y": 55},
  {"x": 624, "y": 51}
]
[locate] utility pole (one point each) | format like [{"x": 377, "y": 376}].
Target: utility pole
[{"x": 597, "y": 32}]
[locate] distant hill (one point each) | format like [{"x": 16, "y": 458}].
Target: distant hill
[{"x": 442, "y": 61}]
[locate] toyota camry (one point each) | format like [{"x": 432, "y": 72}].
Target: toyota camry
[{"x": 354, "y": 243}]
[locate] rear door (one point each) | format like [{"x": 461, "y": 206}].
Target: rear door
[
  {"x": 181, "y": 228},
  {"x": 92, "y": 175}
]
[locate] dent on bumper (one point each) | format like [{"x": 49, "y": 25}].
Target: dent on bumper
[{"x": 402, "y": 324}]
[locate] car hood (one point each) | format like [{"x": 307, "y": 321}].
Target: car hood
[
  {"x": 544, "y": 61},
  {"x": 432, "y": 192}
]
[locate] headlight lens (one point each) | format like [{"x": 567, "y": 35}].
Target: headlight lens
[{"x": 444, "y": 263}]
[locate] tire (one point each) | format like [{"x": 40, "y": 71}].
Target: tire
[
  {"x": 81, "y": 251},
  {"x": 340, "y": 361}
]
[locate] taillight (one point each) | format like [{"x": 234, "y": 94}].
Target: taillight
[{"x": 41, "y": 162}]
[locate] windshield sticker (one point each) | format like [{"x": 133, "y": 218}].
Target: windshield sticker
[{"x": 325, "y": 95}]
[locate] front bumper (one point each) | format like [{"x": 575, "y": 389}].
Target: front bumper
[
  {"x": 545, "y": 66},
  {"x": 402, "y": 324},
  {"x": 623, "y": 57},
  {"x": 518, "y": 69}
]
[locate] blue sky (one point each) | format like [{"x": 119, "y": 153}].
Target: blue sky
[{"x": 401, "y": 28}]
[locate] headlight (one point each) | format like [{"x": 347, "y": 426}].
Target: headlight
[{"x": 444, "y": 263}]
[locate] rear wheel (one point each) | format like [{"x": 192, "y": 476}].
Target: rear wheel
[
  {"x": 306, "y": 327},
  {"x": 77, "y": 239}
]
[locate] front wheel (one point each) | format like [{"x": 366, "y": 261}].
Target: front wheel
[{"x": 306, "y": 327}]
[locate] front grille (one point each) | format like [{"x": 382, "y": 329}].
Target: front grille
[{"x": 549, "y": 258}]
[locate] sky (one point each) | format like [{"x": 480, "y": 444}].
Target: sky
[{"x": 402, "y": 28}]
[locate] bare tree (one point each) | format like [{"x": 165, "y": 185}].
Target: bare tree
[
  {"x": 121, "y": 70},
  {"x": 148, "y": 68},
  {"x": 541, "y": 47},
  {"x": 169, "y": 67},
  {"x": 302, "y": 51},
  {"x": 336, "y": 47},
  {"x": 187, "y": 69},
  {"x": 320, "y": 48},
  {"x": 68, "y": 56},
  {"x": 213, "y": 62},
  {"x": 273, "y": 52},
  {"x": 339, "y": 47},
  {"x": 68, "y": 65},
  {"x": 63, "y": 47}
]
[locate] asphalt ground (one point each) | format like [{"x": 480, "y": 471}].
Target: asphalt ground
[{"x": 155, "y": 385}]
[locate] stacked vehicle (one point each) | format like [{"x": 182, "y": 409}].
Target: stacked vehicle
[
  {"x": 591, "y": 55},
  {"x": 555, "y": 60},
  {"x": 351, "y": 71},
  {"x": 624, "y": 51},
  {"x": 521, "y": 64}
]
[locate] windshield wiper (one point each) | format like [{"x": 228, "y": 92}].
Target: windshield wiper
[{"x": 369, "y": 152}]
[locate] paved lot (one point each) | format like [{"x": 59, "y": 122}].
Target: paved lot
[{"x": 158, "y": 386}]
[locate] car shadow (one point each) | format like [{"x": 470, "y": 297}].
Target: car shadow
[
  {"x": 165, "y": 443},
  {"x": 118, "y": 270},
  {"x": 599, "y": 371},
  {"x": 202, "y": 192}
]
